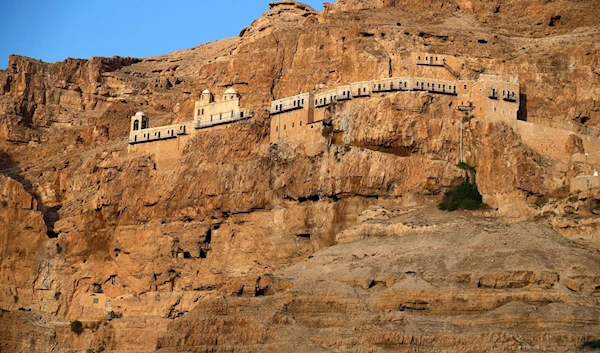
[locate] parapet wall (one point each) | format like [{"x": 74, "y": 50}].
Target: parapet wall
[
  {"x": 166, "y": 152},
  {"x": 584, "y": 183},
  {"x": 159, "y": 133}
]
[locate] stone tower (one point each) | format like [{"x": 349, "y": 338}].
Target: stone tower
[{"x": 139, "y": 122}]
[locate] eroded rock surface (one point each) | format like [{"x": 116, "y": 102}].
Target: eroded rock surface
[{"x": 215, "y": 253}]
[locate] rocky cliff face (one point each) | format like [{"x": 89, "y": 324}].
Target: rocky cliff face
[{"x": 240, "y": 246}]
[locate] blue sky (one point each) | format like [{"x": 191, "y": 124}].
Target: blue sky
[{"x": 55, "y": 30}]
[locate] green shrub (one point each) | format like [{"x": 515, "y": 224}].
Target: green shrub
[
  {"x": 77, "y": 327},
  {"x": 463, "y": 196},
  {"x": 466, "y": 166}
]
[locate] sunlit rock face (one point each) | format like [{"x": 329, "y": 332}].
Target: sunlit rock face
[{"x": 332, "y": 243}]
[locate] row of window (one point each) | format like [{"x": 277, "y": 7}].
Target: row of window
[
  {"x": 506, "y": 94},
  {"x": 323, "y": 101},
  {"x": 440, "y": 87},
  {"x": 298, "y": 103},
  {"x": 136, "y": 125},
  {"x": 157, "y": 134},
  {"x": 285, "y": 126},
  {"x": 430, "y": 58}
]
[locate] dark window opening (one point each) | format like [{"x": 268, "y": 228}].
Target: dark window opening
[
  {"x": 302, "y": 199},
  {"x": 136, "y": 125}
]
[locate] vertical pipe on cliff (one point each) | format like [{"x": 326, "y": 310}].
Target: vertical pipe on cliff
[{"x": 461, "y": 139}]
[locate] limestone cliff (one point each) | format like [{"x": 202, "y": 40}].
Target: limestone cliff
[{"x": 246, "y": 245}]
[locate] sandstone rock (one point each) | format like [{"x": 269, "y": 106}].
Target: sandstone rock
[{"x": 247, "y": 246}]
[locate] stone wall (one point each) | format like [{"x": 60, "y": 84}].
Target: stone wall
[
  {"x": 166, "y": 152},
  {"x": 208, "y": 112},
  {"x": 554, "y": 143},
  {"x": 584, "y": 183}
]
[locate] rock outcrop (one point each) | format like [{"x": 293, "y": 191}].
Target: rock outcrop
[{"x": 246, "y": 245}]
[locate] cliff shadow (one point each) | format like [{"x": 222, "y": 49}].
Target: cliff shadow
[
  {"x": 522, "y": 112},
  {"x": 11, "y": 168}
]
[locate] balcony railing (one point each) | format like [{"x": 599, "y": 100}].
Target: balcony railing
[
  {"x": 509, "y": 96},
  {"x": 323, "y": 101},
  {"x": 385, "y": 87},
  {"x": 157, "y": 133},
  {"x": 344, "y": 95},
  {"x": 443, "y": 89},
  {"x": 287, "y": 106},
  {"x": 493, "y": 94},
  {"x": 429, "y": 61},
  {"x": 222, "y": 119}
]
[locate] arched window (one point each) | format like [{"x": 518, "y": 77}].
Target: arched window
[
  {"x": 136, "y": 125},
  {"x": 300, "y": 122},
  {"x": 292, "y": 125},
  {"x": 284, "y": 126},
  {"x": 277, "y": 128}
]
